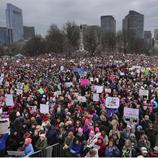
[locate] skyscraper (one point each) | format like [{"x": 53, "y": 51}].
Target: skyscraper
[
  {"x": 133, "y": 24},
  {"x": 14, "y": 20},
  {"x": 108, "y": 24},
  {"x": 29, "y": 32}
]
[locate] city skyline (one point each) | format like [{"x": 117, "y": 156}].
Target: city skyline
[{"x": 82, "y": 12}]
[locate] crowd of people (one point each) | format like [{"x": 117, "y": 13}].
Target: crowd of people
[{"x": 78, "y": 117}]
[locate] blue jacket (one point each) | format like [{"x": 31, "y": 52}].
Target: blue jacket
[
  {"x": 112, "y": 152},
  {"x": 3, "y": 140},
  {"x": 29, "y": 150}
]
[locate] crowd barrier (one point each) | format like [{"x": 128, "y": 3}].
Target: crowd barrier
[{"x": 51, "y": 151}]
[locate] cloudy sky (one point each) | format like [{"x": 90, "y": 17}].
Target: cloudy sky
[{"x": 43, "y": 13}]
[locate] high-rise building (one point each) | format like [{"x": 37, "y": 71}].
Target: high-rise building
[
  {"x": 14, "y": 20},
  {"x": 29, "y": 32},
  {"x": 5, "y": 36},
  {"x": 108, "y": 24},
  {"x": 133, "y": 25},
  {"x": 156, "y": 34},
  {"x": 148, "y": 39}
]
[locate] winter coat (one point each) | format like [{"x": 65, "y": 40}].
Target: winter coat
[{"x": 112, "y": 151}]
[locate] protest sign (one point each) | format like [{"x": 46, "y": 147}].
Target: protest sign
[
  {"x": 131, "y": 114},
  {"x": 4, "y": 125},
  {"x": 84, "y": 82},
  {"x": 19, "y": 91},
  {"x": 1, "y": 80},
  {"x": 107, "y": 90},
  {"x": 44, "y": 108},
  {"x": 91, "y": 79},
  {"x": 68, "y": 84},
  {"x": 19, "y": 85},
  {"x": 33, "y": 109},
  {"x": 95, "y": 97},
  {"x": 9, "y": 100},
  {"x": 98, "y": 89},
  {"x": 41, "y": 91},
  {"x": 81, "y": 99},
  {"x": 143, "y": 92},
  {"x": 61, "y": 68},
  {"x": 112, "y": 102}
]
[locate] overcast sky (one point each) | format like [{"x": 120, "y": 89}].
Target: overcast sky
[{"x": 43, "y": 13}]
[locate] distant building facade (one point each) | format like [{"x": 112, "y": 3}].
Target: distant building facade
[
  {"x": 6, "y": 36},
  {"x": 108, "y": 24},
  {"x": 133, "y": 24},
  {"x": 14, "y": 21},
  {"x": 29, "y": 32},
  {"x": 148, "y": 39}
]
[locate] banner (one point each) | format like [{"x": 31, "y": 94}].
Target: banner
[
  {"x": 131, "y": 115},
  {"x": 95, "y": 97},
  {"x": 44, "y": 108},
  {"x": 82, "y": 99},
  {"x": 4, "y": 125},
  {"x": 9, "y": 99},
  {"x": 143, "y": 92},
  {"x": 84, "y": 82},
  {"x": 112, "y": 102}
]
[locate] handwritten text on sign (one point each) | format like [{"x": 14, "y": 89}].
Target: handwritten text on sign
[{"x": 112, "y": 102}]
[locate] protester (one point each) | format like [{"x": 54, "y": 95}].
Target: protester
[{"x": 99, "y": 106}]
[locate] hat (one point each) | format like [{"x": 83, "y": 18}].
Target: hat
[
  {"x": 144, "y": 150},
  {"x": 132, "y": 135},
  {"x": 139, "y": 127},
  {"x": 156, "y": 148}
]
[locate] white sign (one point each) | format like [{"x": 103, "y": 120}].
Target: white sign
[
  {"x": 131, "y": 114},
  {"x": 107, "y": 90},
  {"x": 4, "y": 125},
  {"x": 98, "y": 89},
  {"x": 44, "y": 108},
  {"x": 112, "y": 102},
  {"x": 1, "y": 80},
  {"x": 68, "y": 84},
  {"x": 9, "y": 99},
  {"x": 143, "y": 92},
  {"x": 19, "y": 91},
  {"x": 95, "y": 97},
  {"x": 61, "y": 68},
  {"x": 81, "y": 99}
]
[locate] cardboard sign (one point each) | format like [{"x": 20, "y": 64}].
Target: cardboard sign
[
  {"x": 68, "y": 84},
  {"x": 9, "y": 99},
  {"x": 95, "y": 97},
  {"x": 143, "y": 92},
  {"x": 81, "y": 99},
  {"x": 4, "y": 125},
  {"x": 107, "y": 90},
  {"x": 112, "y": 102},
  {"x": 44, "y": 108},
  {"x": 131, "y": 115}
]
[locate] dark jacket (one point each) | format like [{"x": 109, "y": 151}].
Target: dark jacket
[{"x": 52, "y": 136}]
